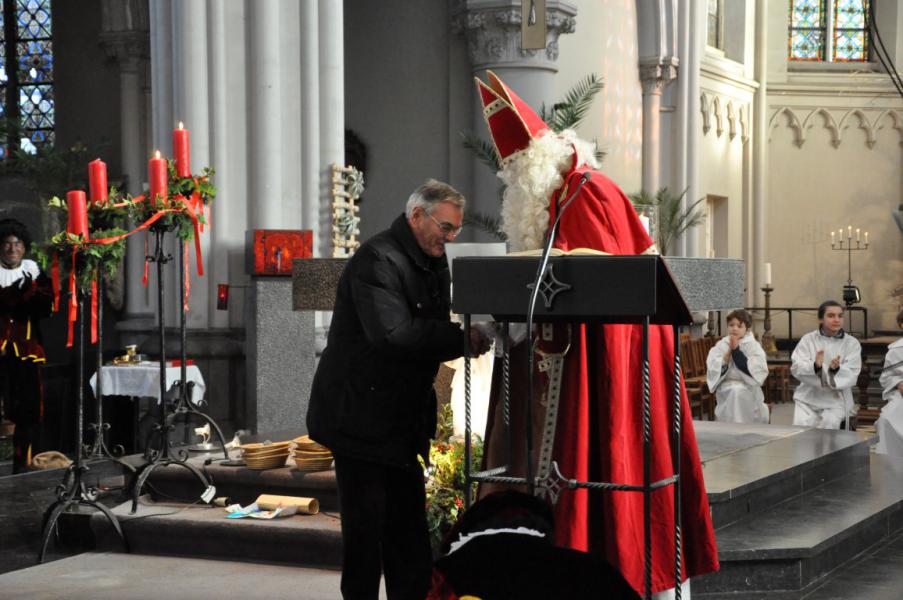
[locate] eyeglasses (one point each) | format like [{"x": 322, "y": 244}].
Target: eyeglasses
[{"x": 446, "y": 228}]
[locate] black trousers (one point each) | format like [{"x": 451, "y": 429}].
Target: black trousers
[
  {"x": 22, "y": 391},
  {"x": 383, "y": 529}
]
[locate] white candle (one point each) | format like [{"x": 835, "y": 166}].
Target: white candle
[
  {"x": 857, "y": 234},
  {"x": 849, "y": 232},
  {"x": 767, "y": 275},
  {"x": 832, "y": 238},
  {"x": 866, "y": 237}
]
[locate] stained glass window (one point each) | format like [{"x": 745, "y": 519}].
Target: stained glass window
[
  {"x": 828, "y": 30},
  {"x": 850, "y": 36},
  {"x": 26, "y": 72}
]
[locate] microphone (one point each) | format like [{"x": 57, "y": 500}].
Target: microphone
[{"x": 560, "y": 208}]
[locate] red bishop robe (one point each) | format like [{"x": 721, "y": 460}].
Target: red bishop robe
[{"x": 599, "y": 434}]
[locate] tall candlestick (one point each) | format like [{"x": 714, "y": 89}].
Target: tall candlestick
[
  {"x": 156, "y": 173},
  {"x": 767, "y": 275},
  {"x": 97, "y": 182},
  {"x": 181, "y": 151},
  {"x": 78, "y": 213}
]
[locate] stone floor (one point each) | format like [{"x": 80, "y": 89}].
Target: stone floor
[{"x": 116, "y": 576}]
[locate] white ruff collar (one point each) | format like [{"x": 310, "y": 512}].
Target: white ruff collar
[
  {"x": 11, "y": 276},
  {"x": 466, "y": 538}
]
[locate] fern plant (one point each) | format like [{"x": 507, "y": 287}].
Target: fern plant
[
  {"x": 672, "y": 219},
  {"x": 567, "y": 114}
]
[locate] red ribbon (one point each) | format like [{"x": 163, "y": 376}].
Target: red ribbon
[
  {"x": 73, "y": 299},
  {"x": 197, "y": 231},
  {"x": 186, "y": 275},
  {"x": 195, "y": 203},
  {"x": 94, "y": 301},
  {"x": 55, "y": 280},
  {"x": 146, "y": 262}
]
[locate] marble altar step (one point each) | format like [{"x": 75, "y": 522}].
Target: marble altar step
[
  {"x": 244, "y": 485},
  {"x": 750, "y": 468},
  {"x": 200, "y": 531},
  {"x": 795, "y": 544}
]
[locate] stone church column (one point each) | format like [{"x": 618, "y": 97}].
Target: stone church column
[
  {"x": 693, "y": 238},
  {"x": 310, "y": 121},
  {"x": 492, "y": 29},
  {"x": 654, "y": 77},
  {"x": 264, "y": 124},
  {"x": 191, "y": 105},
  {"x": 332, "y": 110},
  {"x": 217, "y": 261},
  {"x": 125, "y": 38},
  {"x": 760, "y": 153}
]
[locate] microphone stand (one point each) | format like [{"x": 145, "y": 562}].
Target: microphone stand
[{"x": 540, "y": 275}]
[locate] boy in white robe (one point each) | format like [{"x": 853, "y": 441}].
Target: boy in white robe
[
  {"x": 890, "y": 424},
  {"x": 736, "y": 368},
  {"x": 826, "y": 362}
]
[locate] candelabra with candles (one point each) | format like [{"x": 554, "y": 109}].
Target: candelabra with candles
[
  {"x": 851, "y": 293},
  {"x": 768, "y": 340}
]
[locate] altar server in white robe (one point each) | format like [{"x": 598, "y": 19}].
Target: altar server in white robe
[
  {"x": 736, "y": 369},
  {"x": 826, "y": 362},
  {"x": 890, "y": 424}
]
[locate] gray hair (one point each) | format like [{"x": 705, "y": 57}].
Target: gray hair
[{"x": 432, "y": 193}]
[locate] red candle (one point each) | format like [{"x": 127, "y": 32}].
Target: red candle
[
  {"x": 156, "y": 172},
  {"x": 78, "y": 213},
  {"x": 181, "y": 151},
  {"x": 97, "y": 182}
]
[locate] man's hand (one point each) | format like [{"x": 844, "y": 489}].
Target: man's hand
[
  {"x": 835, "y": 363},
  {"x": 479, "y": 343},
  {"x": 819, "y": 359}
]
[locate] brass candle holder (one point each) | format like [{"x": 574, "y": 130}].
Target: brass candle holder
[
  {"x": 768, "y": 340},
  {"x": 851, "y": 293}
]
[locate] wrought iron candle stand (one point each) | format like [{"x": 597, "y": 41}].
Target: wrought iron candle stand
[
  {"x": 166, "y": 454},
  {"x": 99, "y": 450},
  {"x": 851, "y": 293},
  {"x": 184, "y": 408},
  {"x": 73, "y": 492},
  {"x": 768, "y": 341}
]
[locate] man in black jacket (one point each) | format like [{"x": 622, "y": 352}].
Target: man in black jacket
[{"x": 372, "y": 400}]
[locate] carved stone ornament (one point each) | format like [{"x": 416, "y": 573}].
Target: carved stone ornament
[
  {"x": 654, "y": 76},
  {"x": 492, "y": 29}
]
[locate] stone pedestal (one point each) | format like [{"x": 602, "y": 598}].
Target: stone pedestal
[
  {"x": 710, "y": 283},
  {"x": 280, "y": 357}
]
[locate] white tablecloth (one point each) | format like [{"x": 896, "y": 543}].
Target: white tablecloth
[{"x": 143, "y": 381}]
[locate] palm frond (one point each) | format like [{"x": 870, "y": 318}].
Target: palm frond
[
  {"x": 491, "y": 224},
  {"x": 673, "y": 221},
  {"x": 569, "y": 113},
  {"x": 642, "y": 198},
  {"x": 482, "y": 149}
]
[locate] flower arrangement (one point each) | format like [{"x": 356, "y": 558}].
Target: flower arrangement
[{"x": 445, "y": 487}]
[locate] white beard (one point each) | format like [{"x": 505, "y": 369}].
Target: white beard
[{"x": 531, "y": 176}]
